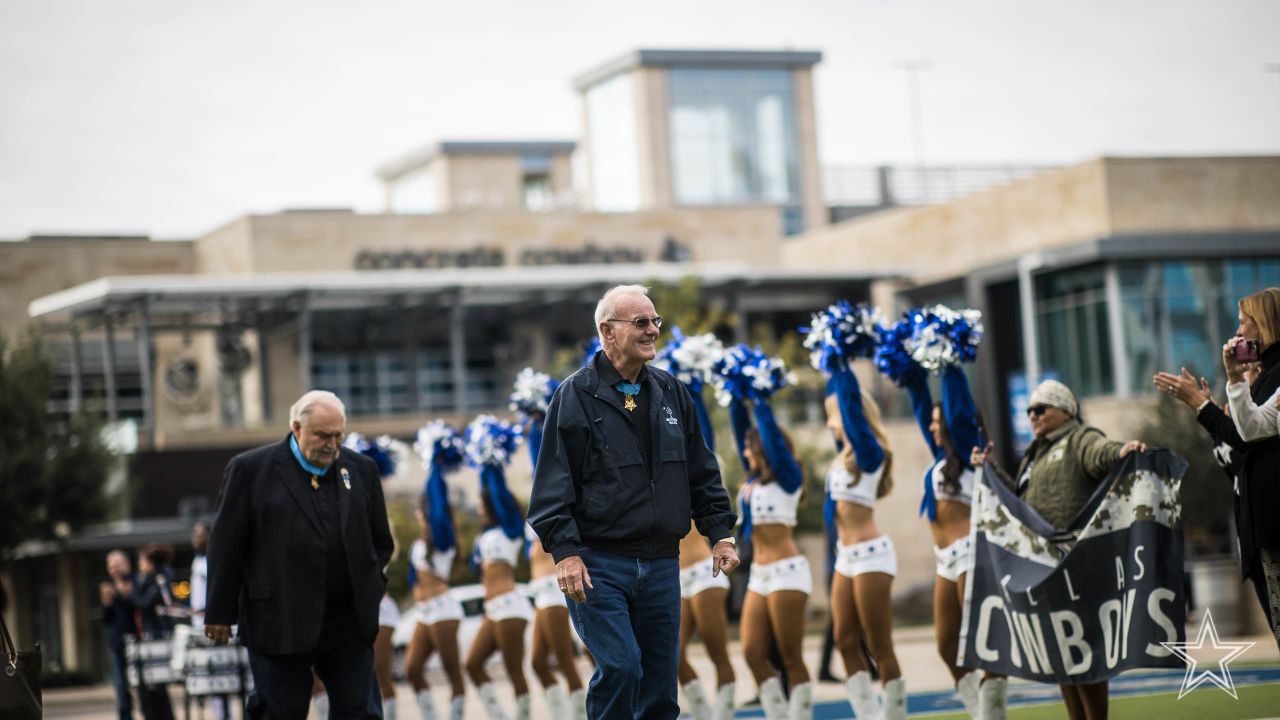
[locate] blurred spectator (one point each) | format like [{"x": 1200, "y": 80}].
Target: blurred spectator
[{"x": 118, "y": 617}]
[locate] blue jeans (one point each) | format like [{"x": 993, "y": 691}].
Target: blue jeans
[{"x": 631, "y": 624}]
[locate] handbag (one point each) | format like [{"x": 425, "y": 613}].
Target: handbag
[{"x": 19, "y": 679}]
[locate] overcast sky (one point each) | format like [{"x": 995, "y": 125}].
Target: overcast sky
[{"x": 172, "y": 117}]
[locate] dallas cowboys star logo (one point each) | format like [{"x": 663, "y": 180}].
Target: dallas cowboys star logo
[{"x": 1222, "y": 676}]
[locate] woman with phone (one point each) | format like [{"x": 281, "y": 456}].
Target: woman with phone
[{"x": 1250, "y": 429}]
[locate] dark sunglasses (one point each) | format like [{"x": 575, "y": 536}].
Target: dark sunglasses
[
  {"x": 1036, "y": 410},
  {"x": 642, "y": 323}
]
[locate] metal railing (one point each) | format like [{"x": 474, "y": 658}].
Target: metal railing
[{"x": 888, "y": 186}]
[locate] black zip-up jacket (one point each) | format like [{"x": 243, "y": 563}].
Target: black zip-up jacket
[{"x": 592, "y": 487}]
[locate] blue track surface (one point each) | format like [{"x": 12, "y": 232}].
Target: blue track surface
[{"x": 1139, "y": 682}]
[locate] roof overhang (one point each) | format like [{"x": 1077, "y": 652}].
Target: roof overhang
[{"x": 723, "y": 59}]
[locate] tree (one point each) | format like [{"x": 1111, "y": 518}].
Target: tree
[{"x": 52, "y": 470}]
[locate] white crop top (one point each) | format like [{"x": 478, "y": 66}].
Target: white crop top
[
  {"x": 440, "y": 564},
  {"x": 965, "y": 495},
  {"x": 495, "y": 546},
  {"x": 771, "y": 504},
  {"x": 842, "y": 486}
]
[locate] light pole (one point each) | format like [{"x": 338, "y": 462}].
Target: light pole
[{"x": 913, "y": 68}]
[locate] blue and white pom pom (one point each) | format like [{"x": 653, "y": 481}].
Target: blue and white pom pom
[
  {"x": 892, "y": 356},
  {"x": 490, "y": 441},
  {"x": 441, "y": 442},
  {"x": 841, "y": 333},
  {"x": 532, "y": 392},
  {"x": 746, "y": 373},
  {"x": 941, "y": 337},
  {"x": 592, "y": 347},
  {"x": 385, "y": 451},
  {"x": 691, "y": 359}
]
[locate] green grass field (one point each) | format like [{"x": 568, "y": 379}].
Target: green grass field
[{"x": 1206, "y": 702}]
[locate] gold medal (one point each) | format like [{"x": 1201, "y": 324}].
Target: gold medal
[
  {"x": 315, "y": 483},
  {"x": 629, "y": 403}
]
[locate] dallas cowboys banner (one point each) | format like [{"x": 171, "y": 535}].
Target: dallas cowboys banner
[{"x": 1083, "y": 604}]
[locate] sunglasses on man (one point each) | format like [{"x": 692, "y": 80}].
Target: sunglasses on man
[
  {"x": 641, "y": 323},
  {"x": 1037, "y": 410}
]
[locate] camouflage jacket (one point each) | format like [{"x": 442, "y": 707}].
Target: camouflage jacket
[{"x": 1066, "y": 466}]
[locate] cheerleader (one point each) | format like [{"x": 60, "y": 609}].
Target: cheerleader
[
  {"x": 381, "y": 452},
  {"x": 860, "y": 474},
  {"x": 702, "y": 594},
  {"x": 865, "y": 559},
  {"x": 552, "y": 632},
  {"x": 951, "y": 429},
  {"x": 780, "y": 581},
  {"x": 431, "y": 561},
  {"x": 497, "y": 551}
]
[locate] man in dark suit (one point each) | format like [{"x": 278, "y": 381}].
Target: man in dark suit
[
  {"x": 118, "y": 616},
  {"x": 297, "y": 557}
]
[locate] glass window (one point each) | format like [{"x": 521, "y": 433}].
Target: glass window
[
  {"x": 615, "y": 155},
  {"x": 1178, "y": 313},
  {"x": 733, "y": 137},
  {"x": 536, "y": 188},
  {"x": 1072, "y": 329}
]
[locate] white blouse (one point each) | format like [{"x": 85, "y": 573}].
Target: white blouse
[{"x": 1253, "y": 421}]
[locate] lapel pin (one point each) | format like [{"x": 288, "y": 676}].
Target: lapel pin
[{"x": 346, "y": 478}]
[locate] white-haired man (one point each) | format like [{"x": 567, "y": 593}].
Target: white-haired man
[
  {"x": 623, "y": 467},
  {"x": 297, "y": 557}
]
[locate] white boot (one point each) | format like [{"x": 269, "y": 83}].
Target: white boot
[
  {"x": 457, "y": 707},
  {"x": 555, "y": 699},
  {"x": 862, "y": 696},
  {"x": 895, "y": 699},
  {"x": 320, "y": 706},
  {"x": 698, "y": 707},
  {"x": 426, "y": 708},
  {"x": 389, "y": 708},
  {"x": 967, "y": 689},
  {"x": 993, "y": 698},
  {"x": 723, "y": 708},
  {"x": 772, "y": 699},
  {"x": 523, "y": 706},
  {"x": 489, "y": 699},
  {"x": 578, "y": 702},
  {"x": 801, "y": 707}
]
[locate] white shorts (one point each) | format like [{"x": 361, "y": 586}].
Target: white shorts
[
  {"x": 788, "y": 574},
  {"x": 697, "y": 577},
  {"x": 388, "y": 613},
  {"x": 874, "y": 555},
  {"x": 953, "y": 560},
  {"x": 439, "y": 609},
  {"x": 546, "y": 592},
  {"x": 512, "y": 605}
]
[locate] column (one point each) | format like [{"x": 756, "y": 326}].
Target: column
[
  {"x": 143, "y": 337},
  {"x": 304, "y": 343},
  {"x": 458, "y": 352},
  {"x": 264, "y": 368},
  {"x": 1115, "y": 330},
  {"x": 109, "y": 367},
  {"x": 77, "y": 372}
]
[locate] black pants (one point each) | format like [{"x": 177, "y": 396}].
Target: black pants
[{"x": 342, "y": 659}]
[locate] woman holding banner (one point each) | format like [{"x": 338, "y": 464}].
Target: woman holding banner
[{"x": 1059, "y": 471}]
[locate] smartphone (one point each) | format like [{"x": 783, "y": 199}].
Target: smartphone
[{"x": 1247, "y": 351}]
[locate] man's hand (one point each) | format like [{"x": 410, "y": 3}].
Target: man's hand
[
  {"x": 107, "y": 592},
  {"x": 220, "y": 634},
  {"x": 724, "y": 558},
  {"x": 574, "y": 578}
]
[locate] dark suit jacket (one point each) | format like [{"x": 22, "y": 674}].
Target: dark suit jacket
[{"x": 267, "y": 549}]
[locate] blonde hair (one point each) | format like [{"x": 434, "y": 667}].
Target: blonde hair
[
  {"x": 847, "y": 456},
  {"x": 1263, "y": 307}
]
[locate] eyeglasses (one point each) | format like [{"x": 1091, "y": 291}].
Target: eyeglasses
[
  {"x": 641, "y": 323},
  {"x": 1037, "y": 410}
]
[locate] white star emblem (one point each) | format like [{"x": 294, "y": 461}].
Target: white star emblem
[{"x": 1222, "y": 676}]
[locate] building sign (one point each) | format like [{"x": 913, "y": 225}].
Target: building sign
[
  {"x": 1084, "y": 603},
  {"x": 489, "y": 256}
]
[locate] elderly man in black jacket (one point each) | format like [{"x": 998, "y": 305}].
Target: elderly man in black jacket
[
  {"x": 623, "y": 467},
  {"x": 297, "y": 557}
]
